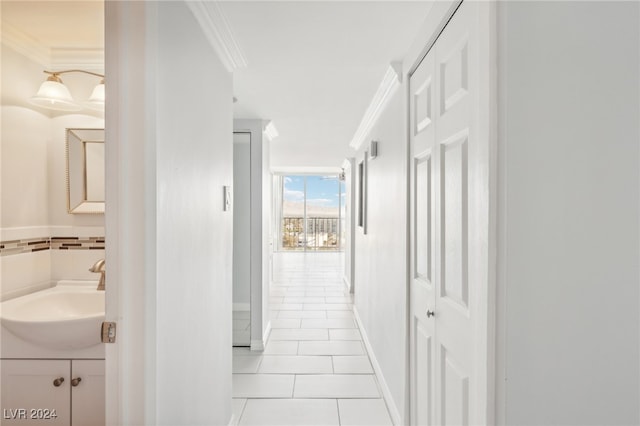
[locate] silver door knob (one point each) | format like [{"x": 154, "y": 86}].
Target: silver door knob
[
  {"x": 75, "y": 382},
  {"x": 57, "y": 382},
  {"x": 430, "y": 314}
]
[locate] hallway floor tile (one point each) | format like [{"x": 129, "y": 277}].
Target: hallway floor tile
[
  {"x": 315, "y": 369},
  {"x": 363, "y": 412},
  {"x": 332, "y": 347},
  {"x": 290, "y": 412},
  {"x": 336, "y": 386},
  {"x": 279, "y": 364}
]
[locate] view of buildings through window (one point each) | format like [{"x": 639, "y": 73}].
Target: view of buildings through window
[{"x": 312, "y": 212}]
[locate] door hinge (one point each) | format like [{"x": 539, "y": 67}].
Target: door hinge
[{"x": 108, "y": 332}]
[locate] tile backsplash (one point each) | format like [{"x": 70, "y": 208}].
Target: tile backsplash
[{"x": 30, "y": 245}]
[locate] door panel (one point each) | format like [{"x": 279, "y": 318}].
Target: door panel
[
  {"x": 449, "y": 227},
  {"x": 422, "y": 240},
  {"x": 424, "y": 384},
  {"x": 454, "y": 232},
  {"x": 454, "y": 75},
  {"x": 454, "y": 391},
  {"x": 423, "y": 107},
  {"x": 423, "y": 210}
]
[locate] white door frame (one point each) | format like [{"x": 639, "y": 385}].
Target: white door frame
[
  {"x": 260, "y": 250},
  {"x": 350, "y": 225},
  {"x": 438, "y": 17},
  {"x": 130, "y": 361}
]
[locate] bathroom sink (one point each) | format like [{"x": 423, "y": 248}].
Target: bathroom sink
[{"x": 67, "y": 316}]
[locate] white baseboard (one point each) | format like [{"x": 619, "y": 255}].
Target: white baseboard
[
  {"x": 396, "y": 418},
  {"x": 259, "y": 344}
]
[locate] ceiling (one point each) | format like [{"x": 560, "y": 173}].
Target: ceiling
[
  {"x": 72, "y": 24},
  {"x": 313, "y": 68}
]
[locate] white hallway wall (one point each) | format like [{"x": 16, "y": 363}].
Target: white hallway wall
[
  {"x": 568, "y": 210},
  {"x": 381, "y": 254},
  {"x": 568, "y": 220},
  {"x": 194, "y": 162},
  {"x": 168, "y": 238}
]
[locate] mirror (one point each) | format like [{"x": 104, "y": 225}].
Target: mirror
[{"x": 85, "y": 171}]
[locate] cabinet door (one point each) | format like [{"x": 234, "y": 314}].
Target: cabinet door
[
  {"x": 87, "y": 394},
  {"x": 29, "y": 395}
]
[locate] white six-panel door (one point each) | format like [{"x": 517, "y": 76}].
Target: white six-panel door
[{"x": 449, "y": 228}]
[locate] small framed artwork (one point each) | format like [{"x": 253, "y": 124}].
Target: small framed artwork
[{"x": 362, "y": 193}]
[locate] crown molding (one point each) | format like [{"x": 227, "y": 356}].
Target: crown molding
[
  {"x": 388, "y": 86},
  {"x": 26, "y": 45},
  {"x": 216, "y": 27},
  {"x": 84, "y": 58},
  {"x": 51, "y": 58}
]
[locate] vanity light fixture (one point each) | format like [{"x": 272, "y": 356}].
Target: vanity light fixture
[{"x": 53, "y": 94}]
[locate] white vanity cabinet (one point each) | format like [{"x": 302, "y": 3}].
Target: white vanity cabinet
[
  {"x": 87, "y": 397},
  {"x": 52, "y": 392}
]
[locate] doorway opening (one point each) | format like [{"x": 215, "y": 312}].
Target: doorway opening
[{"x": 310, "y": 213}]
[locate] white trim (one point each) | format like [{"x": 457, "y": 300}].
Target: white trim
[
  {"x": 55, "y": 58},
  {"x": 388, "y": 86},
  {"x": 259, "y": 345},
  {"x": 396, "y": 418},
  {"x": 70, "y": 58},
  {"x": 217, "y": 29}
]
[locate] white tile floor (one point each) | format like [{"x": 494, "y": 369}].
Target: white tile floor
[{"x": 315, "y": 369}]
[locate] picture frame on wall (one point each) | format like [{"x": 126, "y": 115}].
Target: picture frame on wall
[{"x": 362, "y": 193}]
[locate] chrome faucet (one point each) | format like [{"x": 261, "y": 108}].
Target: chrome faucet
[{"x": 99, "y": 267}]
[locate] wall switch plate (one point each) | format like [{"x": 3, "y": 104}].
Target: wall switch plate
[{"x": 227, "y": 198}]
